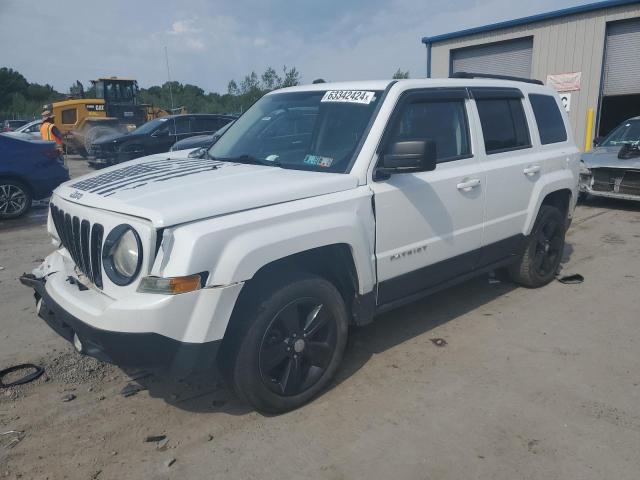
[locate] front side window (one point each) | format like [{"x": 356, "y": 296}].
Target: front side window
[
  {"x": 504, "y": 125},
  {"x": 443, "y": 122},
  {"x": 150, "y": 126},
  {"x": 316, "y": 130},
  {"x": 548, "y": 118},
  {"x": 628, "y": 132},
  {"x": 179, "y": 126},
  {"x": 206, "y": 124}
]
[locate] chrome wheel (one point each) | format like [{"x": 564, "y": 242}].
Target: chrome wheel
[{"x": 13, "y": 200}]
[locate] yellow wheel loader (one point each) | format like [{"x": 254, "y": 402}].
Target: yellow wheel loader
[{"x": 115, "y": 109}]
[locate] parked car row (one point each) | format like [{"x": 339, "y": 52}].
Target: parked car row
[{"x": 155, "y": 136}]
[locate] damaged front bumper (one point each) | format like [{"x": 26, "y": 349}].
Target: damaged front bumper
[
  {"x": 610, "y": 183},
  {"x": 149, "y": 350}
]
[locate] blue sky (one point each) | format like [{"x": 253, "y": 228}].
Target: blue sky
[{"x": 211, "y": 42}]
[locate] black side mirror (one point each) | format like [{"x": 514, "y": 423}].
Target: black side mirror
[
  {"x": 629, "y": 151},
  {"x": 409, "y": 156},
  {"x": 597, "y": 141}
]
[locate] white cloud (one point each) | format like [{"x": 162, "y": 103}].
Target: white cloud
[{"x": 183, "y": 27}]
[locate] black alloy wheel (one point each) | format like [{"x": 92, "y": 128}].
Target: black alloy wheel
[
  {"x": 543, "y": 250},
  {"x": 297, "y": 347},
  {"x": 549, "y": 246},
  {"x": 285, "y": 341}
]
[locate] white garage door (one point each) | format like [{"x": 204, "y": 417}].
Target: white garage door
[
  {"x": 622, "y": 58},
  {"x": 512, "y": 58}
]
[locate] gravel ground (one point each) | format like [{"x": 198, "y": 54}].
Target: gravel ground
[{"x": 529, "y": 384}]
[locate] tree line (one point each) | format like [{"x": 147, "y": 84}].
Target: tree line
[{"x": 21, "y": 99}]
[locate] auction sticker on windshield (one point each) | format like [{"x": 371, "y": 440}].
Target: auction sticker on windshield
[{"x": 349, "y": 96}]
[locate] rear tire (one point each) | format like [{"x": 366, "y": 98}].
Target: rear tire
[
  {"x": 293, "y": 344},
  {"x": 15, "y": 199},
  {"x": 543, "y": 250}
]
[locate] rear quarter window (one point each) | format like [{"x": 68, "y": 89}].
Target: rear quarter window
[{"x": 548, "y": 118}]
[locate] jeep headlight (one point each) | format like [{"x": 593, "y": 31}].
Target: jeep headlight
[{"x": 122, "y": 255}]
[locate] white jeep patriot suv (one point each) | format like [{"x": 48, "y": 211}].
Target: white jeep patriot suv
[{"x": 322, "y": 206}]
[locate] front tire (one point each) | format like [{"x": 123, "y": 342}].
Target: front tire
[
  {"x": 293, "y": 345},
  {"x": 15, "y": 199},
  {"x": 543, "y": 250}
]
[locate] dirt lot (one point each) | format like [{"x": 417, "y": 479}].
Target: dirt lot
[{"x": 531, "y": 384}]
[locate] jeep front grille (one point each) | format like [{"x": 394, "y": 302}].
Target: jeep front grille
[{"x": 83, "y": 242}]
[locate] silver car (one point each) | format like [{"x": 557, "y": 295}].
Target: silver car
[
  {"x": 612, "y": 168},
  {"x": 32, "y": 129}
]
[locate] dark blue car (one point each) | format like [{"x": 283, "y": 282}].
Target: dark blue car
[{"x": 29, "y": 170}]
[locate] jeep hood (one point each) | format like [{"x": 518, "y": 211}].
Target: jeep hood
[
  {"x": 171, "y": 188},
  {"x": 607, "y": 157}
]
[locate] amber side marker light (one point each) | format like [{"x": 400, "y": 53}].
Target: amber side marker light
[{"x": 170, "y": 286}]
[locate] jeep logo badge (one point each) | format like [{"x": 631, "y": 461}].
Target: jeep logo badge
[{"x": 77, "y": 195}]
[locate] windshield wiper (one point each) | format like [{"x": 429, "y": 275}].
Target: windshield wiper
[{"x": 247, "y": 159}]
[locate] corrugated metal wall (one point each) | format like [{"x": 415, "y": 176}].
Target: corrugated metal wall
[
  {"x": 622, "y": 59},
  {"x": 574, "y": 43},
  {"x": 512, "y": 57}
]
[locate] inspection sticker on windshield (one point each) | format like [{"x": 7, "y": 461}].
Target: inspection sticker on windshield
[
  {"x": 324, "y": 162},
  {"x": 349, "y": 96}
]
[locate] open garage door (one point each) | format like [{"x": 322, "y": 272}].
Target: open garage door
[
  {"x": 621, "y": 80},
  {"x": 512, "y": 57}
]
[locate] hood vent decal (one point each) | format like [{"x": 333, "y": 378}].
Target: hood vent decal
[{"x": 138, "y": 175}]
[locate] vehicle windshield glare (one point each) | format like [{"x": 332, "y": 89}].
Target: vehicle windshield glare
[
  {"x": 150, "y": 126},
  {"x": 627, "y": 133},
  {"x": 314, "y": 130}
]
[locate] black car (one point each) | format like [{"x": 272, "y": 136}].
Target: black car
[
  {"x": 155, "y": 136},
  {"x": 200, "y": 141}
]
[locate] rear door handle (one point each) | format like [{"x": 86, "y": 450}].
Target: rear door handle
[
  {"x": 467, "y": 184},
  {"x": 531, "y": 170}
]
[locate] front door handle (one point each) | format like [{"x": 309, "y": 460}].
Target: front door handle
[
  {"x": 531, "y": 170},
  {"x": 467, "y": 184}
]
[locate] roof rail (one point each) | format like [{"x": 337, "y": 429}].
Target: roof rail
[{"x": 497, "y": 77}]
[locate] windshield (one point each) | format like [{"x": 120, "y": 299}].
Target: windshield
[
  {"x": 318, "y": 130},
  {"x": 150, "y": 126},
  {"x": 628, "y": 132}
]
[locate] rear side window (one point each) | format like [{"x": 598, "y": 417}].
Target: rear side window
[
  {"x": 504, "y": 125},
  {"x": 548, "y": 119},
  {"x": 205, "y": 124},
  {"x": 441, "y": 121}
]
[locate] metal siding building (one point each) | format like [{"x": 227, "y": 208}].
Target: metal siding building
[{"x": 566, "y": 41}]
